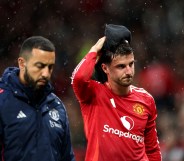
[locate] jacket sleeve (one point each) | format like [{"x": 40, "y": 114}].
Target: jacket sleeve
[
  {"x": 151, "y": 140},
  {"x": 1, "y": 137},
  {"x": 81, "y": 77},
  {"x": 67, "y": 150},
  {"x": 1, "y": 144}
]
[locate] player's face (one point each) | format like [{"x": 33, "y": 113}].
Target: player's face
[
  {"x": 121, "y": 70},
  {"x": 38, "y": 68}
]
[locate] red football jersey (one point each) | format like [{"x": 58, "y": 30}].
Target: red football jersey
[{"x": 117, "y": 128}]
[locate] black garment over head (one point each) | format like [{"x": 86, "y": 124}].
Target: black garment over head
[{"x": 115, "y": 35}]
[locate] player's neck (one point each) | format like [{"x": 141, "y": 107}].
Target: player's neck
[{"x": 118, "y": 90}]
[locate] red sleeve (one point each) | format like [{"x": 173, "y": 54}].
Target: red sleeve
[
  {"x": 81, "y": 78},
  {"x": 151, "y": 139}
]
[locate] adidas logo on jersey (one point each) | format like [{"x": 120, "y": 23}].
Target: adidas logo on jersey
[{"x": 21, "y": 115}]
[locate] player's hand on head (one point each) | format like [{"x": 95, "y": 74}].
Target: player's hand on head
[{"x": 98, "y": 46}]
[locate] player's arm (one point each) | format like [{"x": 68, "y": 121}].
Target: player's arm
[
  {"x": 151, "y": 139},
  {"x": 82, "y": 74}
]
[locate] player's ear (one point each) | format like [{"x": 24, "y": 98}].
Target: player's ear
[
  {"x": 21, "y": 63},
  {"x": 104, "y": 68}
]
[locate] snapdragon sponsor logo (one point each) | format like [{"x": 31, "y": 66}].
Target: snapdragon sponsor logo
[
  {"x": 119, "y": 133},
  {"x": 127, "y": 122}
]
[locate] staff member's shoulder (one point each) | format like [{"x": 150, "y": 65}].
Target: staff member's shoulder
[{"x": 4, "y": 93}]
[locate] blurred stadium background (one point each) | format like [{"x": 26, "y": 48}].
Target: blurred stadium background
[{"x": 158, "y": 41}]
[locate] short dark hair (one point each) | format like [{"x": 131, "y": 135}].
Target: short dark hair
[
  {"x": 36, "y": 42},
  {"x": 107, "y": 57}
]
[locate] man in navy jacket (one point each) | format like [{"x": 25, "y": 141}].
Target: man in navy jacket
[{"x": 33, "y": 121}]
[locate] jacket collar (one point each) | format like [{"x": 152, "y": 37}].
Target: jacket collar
[{"x": 11, "y": 79}]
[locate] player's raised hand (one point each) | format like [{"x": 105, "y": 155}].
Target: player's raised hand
[{"x": 98, "y": 46}]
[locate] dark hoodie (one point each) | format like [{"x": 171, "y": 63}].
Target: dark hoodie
[{"x": 32, "y": 129}]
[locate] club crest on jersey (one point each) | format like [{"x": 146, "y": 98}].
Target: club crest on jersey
[
  {"x": 138, "y": 108},
  {"x": 54, "y": 114}
]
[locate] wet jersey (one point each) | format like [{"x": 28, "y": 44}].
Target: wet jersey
[{"x": 117, "y": 128}]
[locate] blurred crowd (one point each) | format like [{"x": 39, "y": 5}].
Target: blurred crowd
[{"x": 74, "y": 26}]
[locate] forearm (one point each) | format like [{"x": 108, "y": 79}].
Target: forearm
[
  {"x": 152, "y": 145},
  {"x": 82, "y": 75},
  {"x": 83, "y": 71}
]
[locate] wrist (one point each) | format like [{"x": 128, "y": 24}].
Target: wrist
[{"x": 93, "y": 49}]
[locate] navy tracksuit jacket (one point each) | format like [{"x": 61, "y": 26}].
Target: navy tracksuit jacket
[{"x": 32, "y": 130}]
